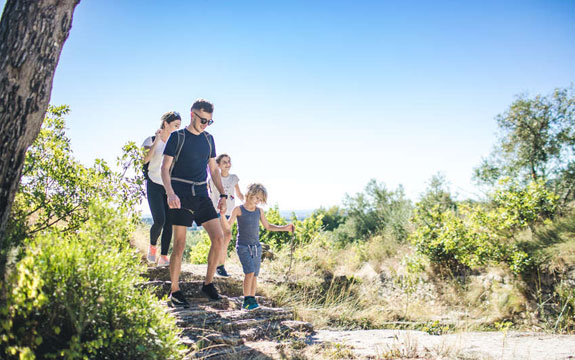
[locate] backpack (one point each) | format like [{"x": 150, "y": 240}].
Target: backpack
[
  {"x": 146, "y": 166},
  {"x": 179, "y": 146}
]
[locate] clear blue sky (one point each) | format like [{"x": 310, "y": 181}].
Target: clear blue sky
[{"x": 314, "y": 98}]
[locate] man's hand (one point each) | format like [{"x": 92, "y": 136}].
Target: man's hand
[
  {"x": 222, "y": 205},
  {"x": 174, "y": 201}
]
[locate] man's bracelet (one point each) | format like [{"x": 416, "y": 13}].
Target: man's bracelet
[{"x": 224, "y": 196}]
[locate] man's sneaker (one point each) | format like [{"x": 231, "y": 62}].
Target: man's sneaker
[
  {"x": 152, "y": 254},
  {"x": 250, "y": 303},
  {"x": 163, "y": 261},
  {"x": 221, "y": 271},
  {"x": 178, "y": 299},
  {"x": 211, "y": 291}
]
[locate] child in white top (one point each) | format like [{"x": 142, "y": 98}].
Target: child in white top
[{"x": 232, "y": 187}]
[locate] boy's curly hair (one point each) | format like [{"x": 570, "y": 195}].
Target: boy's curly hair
[{"x": 255, "y": 189}]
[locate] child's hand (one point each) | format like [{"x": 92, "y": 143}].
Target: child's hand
[{"x": 291, "y": 228}]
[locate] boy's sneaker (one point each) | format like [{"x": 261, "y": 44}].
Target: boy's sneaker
[
  {"x": 152, "y": 254},
  {"x": 211, "y": 291},
  {"x": 178, "y": 299},
  {"x": 250, "y": 304},
  {"x": 163, "y": 261},
  {"x": 221, "y": 271}
]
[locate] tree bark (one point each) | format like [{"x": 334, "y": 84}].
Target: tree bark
[{"x": 32, "y": 34}]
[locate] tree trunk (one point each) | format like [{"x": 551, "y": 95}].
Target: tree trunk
[{"x": 32, "y": 33}]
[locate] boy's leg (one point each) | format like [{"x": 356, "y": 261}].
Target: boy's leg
[
  {"x": 248, "y": 281},
  {"x": 254, "y": 284},
  {"x": 177, "y": 254},
  {"x": 214, "y": 230}
]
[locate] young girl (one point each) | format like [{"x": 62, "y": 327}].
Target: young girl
[
  {"x": 231, "y": 184},
  {"x": 248, "y": 244},
  {"x": 154, "y": 151}
]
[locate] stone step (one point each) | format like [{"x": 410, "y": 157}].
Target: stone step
[
  {"x": 274, "y": 330},
  {"x": 226, "y": 352},
  {"x": 248, "y": 323},
  {"x": 193, "y": 288}
]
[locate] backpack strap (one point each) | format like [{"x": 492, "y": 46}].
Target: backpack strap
[
  {"x": 179, "y": 146},
  {"x": 209, "y": 143}
]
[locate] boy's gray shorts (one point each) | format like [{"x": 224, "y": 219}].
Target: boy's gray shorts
[{"x": 250, "y": 257}]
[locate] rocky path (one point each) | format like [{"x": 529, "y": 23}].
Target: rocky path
[
  {"x": 220, "y": 329},
  {"x": 403, "y": 344}
]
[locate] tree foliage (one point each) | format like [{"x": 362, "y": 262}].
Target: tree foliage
[
  {"x": 478, "y": 234},
  {"x": 56, "y": 190},
  {"x": 376, "y": 210},
  {"x": 332, "y": 218},
  {"x": 537, "y": 142}
]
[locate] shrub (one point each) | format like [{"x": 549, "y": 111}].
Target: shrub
[
  {"x": 375, "y": 211},
  {"x": 199, "y": 252},
  {"x": 276, "y": 239},
  {"x": 56, "y": 190},
  {"x": 475, "y": 235},
  {"x": 75, "y": 296},
  {"x": 332, "y": 218}
]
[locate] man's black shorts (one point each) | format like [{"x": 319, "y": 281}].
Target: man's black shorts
[{"x": 193, "y": 208}]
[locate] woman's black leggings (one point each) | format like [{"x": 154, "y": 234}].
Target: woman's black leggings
[{"x": 158, "y": 202}]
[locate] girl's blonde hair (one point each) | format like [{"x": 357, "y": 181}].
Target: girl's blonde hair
[{"x": 257, "y": 188}]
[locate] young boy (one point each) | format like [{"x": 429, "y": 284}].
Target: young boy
[{"x": 248, "y": 244}]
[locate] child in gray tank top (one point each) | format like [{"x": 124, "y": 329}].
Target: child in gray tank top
[{"x": 248, "y": 244}]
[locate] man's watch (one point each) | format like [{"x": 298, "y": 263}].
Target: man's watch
[{"x": 224, "y": 196}]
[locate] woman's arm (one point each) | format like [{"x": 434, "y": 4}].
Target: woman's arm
[{"x": 148, "y": 149}]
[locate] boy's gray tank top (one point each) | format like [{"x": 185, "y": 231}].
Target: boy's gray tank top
[{"x": 248, "y": 227}]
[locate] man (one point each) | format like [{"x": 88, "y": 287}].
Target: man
[{"x": 190, "y": 151}]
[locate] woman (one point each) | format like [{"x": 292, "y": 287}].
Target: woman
[{"x": 154, "y": 151}]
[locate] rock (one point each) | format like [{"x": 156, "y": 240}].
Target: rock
[{"x": 220, "y": 329}]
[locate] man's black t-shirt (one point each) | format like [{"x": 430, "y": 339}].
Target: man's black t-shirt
[{"x": 192, "y": 162}]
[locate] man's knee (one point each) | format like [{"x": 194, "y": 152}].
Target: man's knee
[{"x": 217, "y": 239}]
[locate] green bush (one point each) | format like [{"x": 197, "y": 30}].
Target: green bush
[
  {"x": 276, "y": 239},
  {"x": 332, "y": 218},
  {"x": 447, "y": 240},
  {"x": 75, "y": 296},
  {"x": 375, "y": 211},
  {"x": 477, "y": 235},
  {"x": 198, "y": 254},
  {"x": 56, "y": 189}
]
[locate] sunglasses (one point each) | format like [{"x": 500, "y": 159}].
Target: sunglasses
[
  {"x": 174, "y": 115},
  {"x": 204, "y": 121}
]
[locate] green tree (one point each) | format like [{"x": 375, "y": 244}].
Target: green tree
[
  {"x": 537, "y": 142},
  {"x": 376, "y": 210},
  {"x": 332, "y": 218},
  {"x": 56, "y": 190},
  {"x": 32, "y": 34}
]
